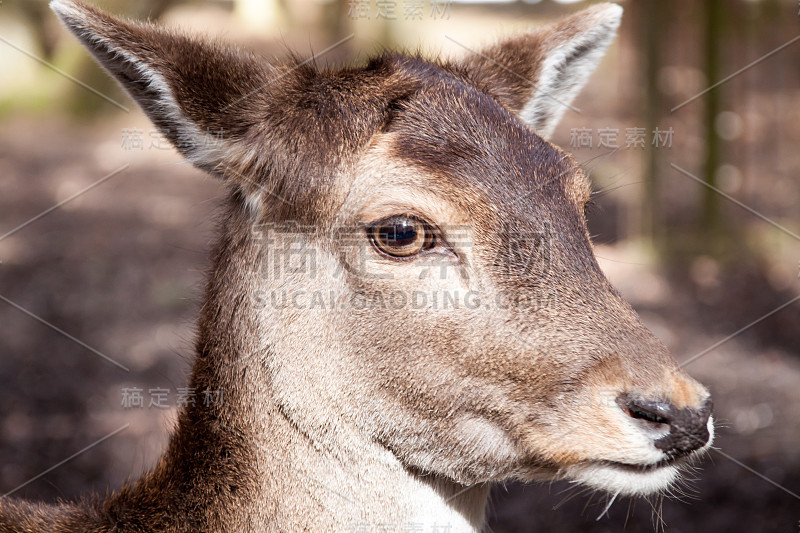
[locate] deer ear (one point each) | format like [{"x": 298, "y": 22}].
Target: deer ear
[
  {"x": 199, "y": 94},
  {"x": 537, "y": 75}
]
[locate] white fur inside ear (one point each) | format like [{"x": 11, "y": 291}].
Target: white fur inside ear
[
  {"x": 202, "y": 148},
  {"x": 64, "y": 9},
  {"x": 566, "y": 69},
  {"x": 253, "y": 202}
]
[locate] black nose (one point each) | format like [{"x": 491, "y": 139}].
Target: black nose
[{"x": 688, "y": 428}]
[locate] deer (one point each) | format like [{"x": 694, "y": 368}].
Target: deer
[{"x": 377, "y": 184}]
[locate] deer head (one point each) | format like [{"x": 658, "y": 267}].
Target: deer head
[{"x": 444, "y": 305}]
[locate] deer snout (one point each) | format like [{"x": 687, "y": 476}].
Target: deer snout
[{"x": 688, "y": 427}]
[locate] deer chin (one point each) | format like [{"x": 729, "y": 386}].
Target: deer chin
[{"x": 625, "y": 479}]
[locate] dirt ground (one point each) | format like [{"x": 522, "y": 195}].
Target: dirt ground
[{"x": 119, "y": 268}]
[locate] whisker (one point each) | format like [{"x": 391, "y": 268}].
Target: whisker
[
  {"x": 608, "y": 506},
  {"x": 573, "y": 492},
  {"x": 601, "y": 192},
  {"x": 598, "y": 156},
  {"x": 631, "y": 503}
]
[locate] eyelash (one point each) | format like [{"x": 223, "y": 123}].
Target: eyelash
[{"x": 589, "y": 207}]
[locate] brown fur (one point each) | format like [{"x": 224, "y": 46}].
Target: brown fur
[{"x": 368, "y": 413}]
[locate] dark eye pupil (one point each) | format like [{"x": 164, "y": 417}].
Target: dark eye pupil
[{"x": 399, "y": 234}]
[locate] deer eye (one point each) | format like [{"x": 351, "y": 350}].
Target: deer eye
[{"x": 401, "y": 236}]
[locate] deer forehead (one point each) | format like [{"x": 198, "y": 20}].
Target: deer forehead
[{"x": 455, "y": 153}]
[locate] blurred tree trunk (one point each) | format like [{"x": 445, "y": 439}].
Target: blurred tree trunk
[
  {"x": 334, "y": 19},
  {"x": 40, "y": 19},
  {"x": 715, "y": 24},
  {"x": 653, "y": 20}
]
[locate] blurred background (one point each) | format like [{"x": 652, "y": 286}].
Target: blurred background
[{"x": 104, "y": 234}]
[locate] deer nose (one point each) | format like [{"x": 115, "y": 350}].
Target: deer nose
[{"x": 688, "y": 427}]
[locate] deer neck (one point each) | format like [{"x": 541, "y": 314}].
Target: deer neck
[{"x": 261, "y": 466}]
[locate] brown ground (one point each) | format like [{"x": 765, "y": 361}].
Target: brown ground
[{"x": 120, "y": 269}]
